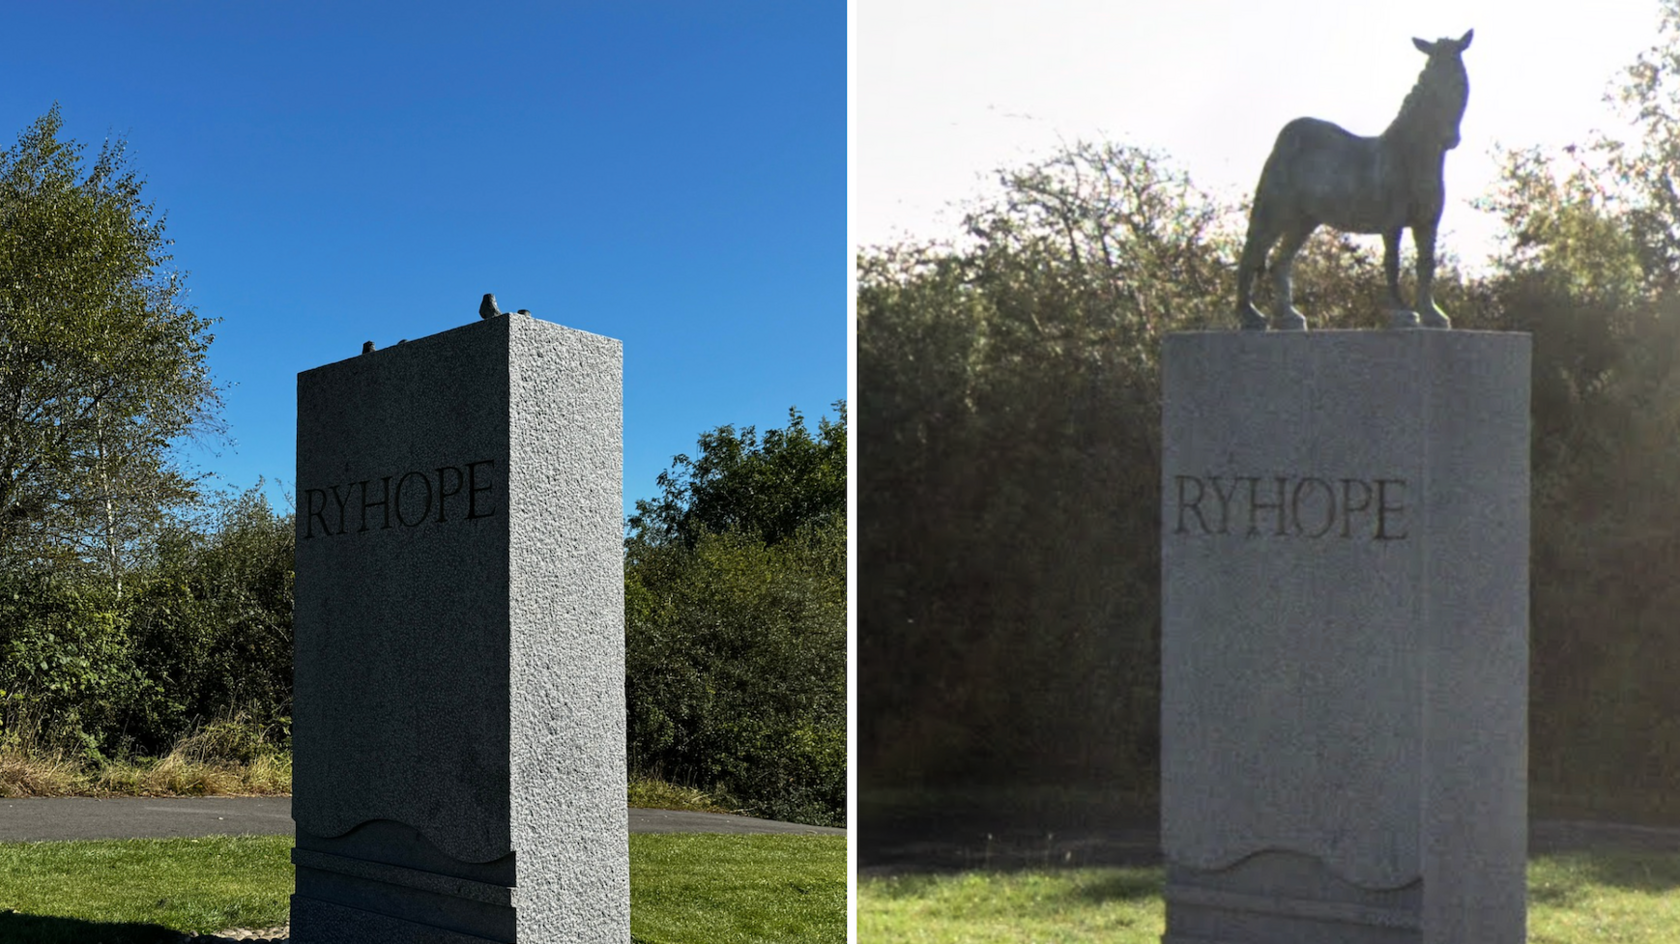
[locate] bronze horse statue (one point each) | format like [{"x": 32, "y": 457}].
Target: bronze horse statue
[{"x": 1319, "y": 173}]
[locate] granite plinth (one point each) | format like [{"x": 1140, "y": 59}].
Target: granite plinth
[
  {"x": 458, "y": 721},
  {"x": 1344, "y": 636}
]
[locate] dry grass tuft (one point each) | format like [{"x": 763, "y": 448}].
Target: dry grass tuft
[
  {"x": 179, "y": 775},
  {"x": 172, "y": 775},
  {"x": 25, "y": 776},
  {"x": 270, "y": 774},
  {"x": 653, "y": 794},
  {"x": 229, "y": 757}
]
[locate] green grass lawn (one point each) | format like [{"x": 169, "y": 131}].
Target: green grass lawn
[
  {"x": 689, "y": 888},
  {"x": 1110, "y": 905},
  {"x": 684, "y": 888},
  {"x": 1621, "y": 897},
  {"x": 1605, "y": 898},
  {"x": 141, "y": 890}
]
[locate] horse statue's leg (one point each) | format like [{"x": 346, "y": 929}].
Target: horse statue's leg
[
  {"x": 1284, "y": 315},
  {"x": 1255, "y": 247},
  {"x": 1432, "y": 317},
  {"x": 1399, "y": 316}
]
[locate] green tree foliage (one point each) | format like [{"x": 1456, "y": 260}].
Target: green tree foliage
[
  {"x": 212, "y": 621},
  {"x": 1591, "y": 267},
  {"x": 203, "y": 631},
  {"x": 735, "y": 621},
  {"x": 67, "y": 666},
  {"x": 770, "y": 489},
  {"x": 1650, "y": 92},
  {"x": 1008, "y": 603},
  {"x": 101, "y": 361}
]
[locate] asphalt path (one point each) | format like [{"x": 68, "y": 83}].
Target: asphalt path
[{"x": 56, "y": 818}]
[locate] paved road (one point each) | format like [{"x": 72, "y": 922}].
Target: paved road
[{"x": 53, "y": 818}]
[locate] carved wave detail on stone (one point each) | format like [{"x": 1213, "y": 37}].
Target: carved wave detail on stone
[
  {"x": 1347, "y": 869},
  {"x": 417, "y": 842}
]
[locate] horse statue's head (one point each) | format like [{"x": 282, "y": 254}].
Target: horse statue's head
[{"x": 1435, "y": 106}]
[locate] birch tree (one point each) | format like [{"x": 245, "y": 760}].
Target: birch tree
[{"x": 102, "y": 361}]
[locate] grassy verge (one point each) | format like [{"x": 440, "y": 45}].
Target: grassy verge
[
  {"x": 1626, "y": 897},
  {"x": 227, "y": 757},
  {"x": 693, "y": 889},
  {"x": 700, "y": 888},
  {"x": 185, "y": 771},
  {"x": 649, "y": 793},
  {"x": 139, "y": 891},
  {"x": 1068, "y": 906},
  {"x": 177, "y": 774}
]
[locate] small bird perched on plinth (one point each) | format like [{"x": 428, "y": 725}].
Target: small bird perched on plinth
[{"x": 487, "y": 308}]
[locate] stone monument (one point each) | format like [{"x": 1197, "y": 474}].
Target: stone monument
[
  {"x": 458, "y": 723},
  {"x": 1319, "y": 173},
  {"x": 1345, "y": 637}
]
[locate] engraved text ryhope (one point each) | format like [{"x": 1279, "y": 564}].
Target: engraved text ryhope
[
  {"x": 1289, "y": 506},
  {"x": 447, "y": 493}
]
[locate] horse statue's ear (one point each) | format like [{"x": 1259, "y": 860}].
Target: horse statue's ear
[
  {"x": 1464, "y": 41},
  {"x": 1424, "y": 47}
]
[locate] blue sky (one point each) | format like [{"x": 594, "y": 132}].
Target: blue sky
[{"x": 670, "y": 174}]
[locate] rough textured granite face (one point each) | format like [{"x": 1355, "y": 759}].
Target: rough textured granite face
[
  {"x": 459, "y": 670},
  {"x": 1344, "y": 636},
  {"x": 566, "y": 460}
]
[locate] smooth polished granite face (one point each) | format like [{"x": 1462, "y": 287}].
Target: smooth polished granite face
[
  {"x": 458, "y": 717},
  {"x": 1344, "y": 636}
]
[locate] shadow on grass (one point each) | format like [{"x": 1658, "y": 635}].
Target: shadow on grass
[
  {"x": 944, "y": 830},
  {"x": 40, "y": 929},
  {"x": 1565, "y": 878},
  {"x": 1125, "y": 885},
  {"x": 1049, "y": 888},
  {"x": 904, "y": 886},
  {"x": 976, "y": 849}
]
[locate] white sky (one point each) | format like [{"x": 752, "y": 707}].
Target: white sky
[{"x": 945, "y": 91}]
